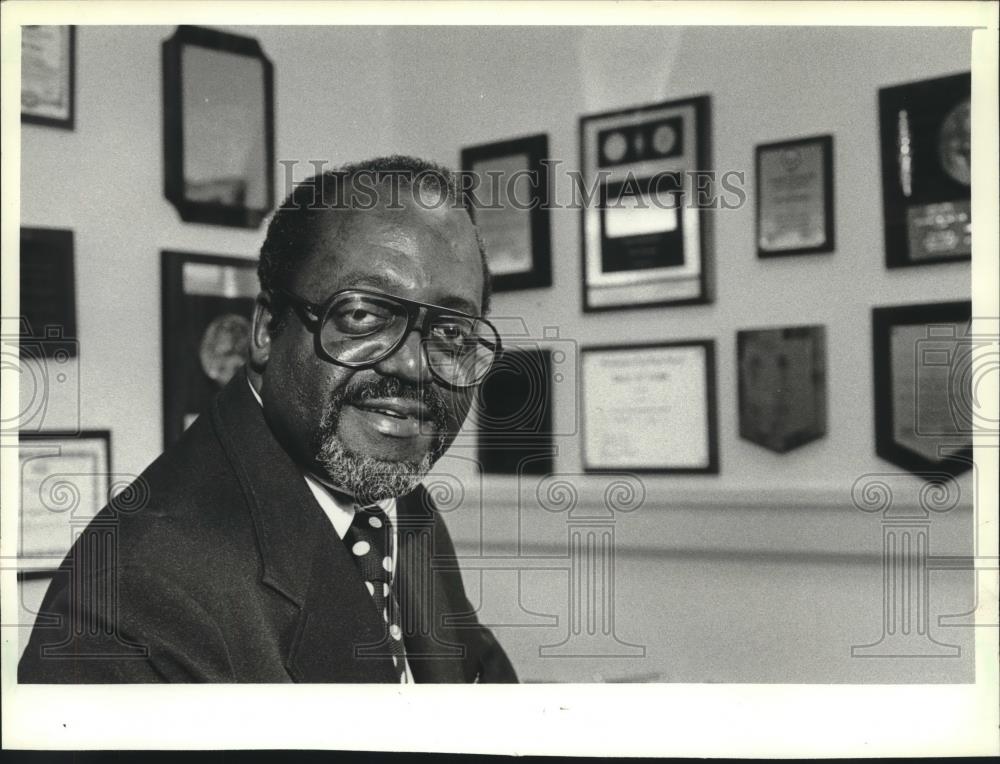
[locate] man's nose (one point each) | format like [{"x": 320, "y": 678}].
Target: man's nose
[{"x": 407, "y": 362}]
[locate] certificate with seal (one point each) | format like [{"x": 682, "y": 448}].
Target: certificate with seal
[
  {"x": 650, "y": 408},
  {"x": 795, "y": 197},
  {"x": 65, "y": 480},
  {"x": 207, "y": 305},
  {"x": 925, "y": 131},
  {"x": 644, "y": 207},
  {"x": 47, "y": 75}
]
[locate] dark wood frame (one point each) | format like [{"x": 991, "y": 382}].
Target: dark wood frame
[
  {"x": 703, "y": 155},
  {"x": 61, "y": 242},
  {"x": 798, "y": 438},
  {"x": 173, "y": 127},
  {"x": 537, "y": 149},
  {"x": 70, "y": 122},
  {"x": 69, "y": 435},
  {"x": 825, "y": 143},
  {"x": 712, "y": 408},
  {"x": 171, "y": 293},
  {"x": 883, "y": 320},
  {"x": 541, "y": 446},
  {"x": 897, "y": 253}
]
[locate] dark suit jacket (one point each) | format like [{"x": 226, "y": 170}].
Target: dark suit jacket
[{"x": 218, "y": 565}]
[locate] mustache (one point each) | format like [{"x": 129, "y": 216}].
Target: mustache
[{"x": 393, "y": 387}]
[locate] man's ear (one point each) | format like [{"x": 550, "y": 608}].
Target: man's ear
[{"x": 260, "y": 332}]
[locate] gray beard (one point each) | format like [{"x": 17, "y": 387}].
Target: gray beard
[{"x": 368, "y": 478}]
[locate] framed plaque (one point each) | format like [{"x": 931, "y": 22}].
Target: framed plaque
[
  {"x": 923, "y": 358},
  {"x": 65, "y": 480},
  {"x": 782, "y": 386},
  {"x": 650, "y": 408},
  {"x": 795, "y": 197},
  {"x": 925, "y": 130},
  {"x": 207, "y": 306},
  {"x": 218, "y": 127},
  {"x": 509, "y": 201},
  {"x": 48, "y": 72},
  {"x": 48, "y": 294},
  {"x": 514, "y": 414},
  {"x": 645, "y": 208}
]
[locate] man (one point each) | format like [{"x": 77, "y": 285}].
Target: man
[{"x": 286, "y": 536}]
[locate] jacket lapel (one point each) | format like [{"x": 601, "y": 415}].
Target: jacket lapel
[
  {"x": 301, "y": 556},
  {"x": 435, "y": 650}
]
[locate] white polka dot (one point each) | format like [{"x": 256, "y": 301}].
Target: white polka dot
[
  {"x": 385, "y": 615},
  {"x": 361, "y": 548},
  {"x": 371, "y": 588},
  {"x": 374, "y": 522},
  {"x": 386, "y": 563},
  {"x": 396, "y": 632},
  {"x": 385, "y": 590}
]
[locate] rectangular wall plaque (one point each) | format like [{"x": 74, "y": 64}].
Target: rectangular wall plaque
[{"x": 644, "y": 219}]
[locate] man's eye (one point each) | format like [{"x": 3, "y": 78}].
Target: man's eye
[
  {"x": 454, "y": 331},
  {"x": 355, "y": 319}
]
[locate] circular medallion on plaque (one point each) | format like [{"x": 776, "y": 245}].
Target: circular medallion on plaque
[
  {"x": 791, "y": 159},
  {"x": 224, "y": 347},
  {"x": 664, "y": 139},
  {"x": 954, "y": 144},
  {"x": 614, "y": 147}
]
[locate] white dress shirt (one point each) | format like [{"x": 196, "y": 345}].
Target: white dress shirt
[{"x": 341, "y": 515}]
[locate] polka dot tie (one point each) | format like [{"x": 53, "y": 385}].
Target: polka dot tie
[{"x": 369, "y": 540}]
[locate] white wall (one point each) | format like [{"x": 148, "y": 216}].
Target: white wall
[{"x": 343, "y": 94}]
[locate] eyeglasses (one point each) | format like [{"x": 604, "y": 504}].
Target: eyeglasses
[{"x": 358, "y": 328}]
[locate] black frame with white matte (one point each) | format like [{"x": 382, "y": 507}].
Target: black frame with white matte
[
  {"x": 536, "y": 147},
  {"x": 711, "y": 409},
  {"x": 69, "y": 122},
  {"x": 192, "y": 211},
  {"x": 102, "y": 438}
]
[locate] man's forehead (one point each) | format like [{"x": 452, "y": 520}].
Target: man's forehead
[
  {"x": 406, "y": 241},
  {"x": 404, "y": 227}
]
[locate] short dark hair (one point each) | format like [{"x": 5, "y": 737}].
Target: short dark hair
[{"x": 293, "y": 222}]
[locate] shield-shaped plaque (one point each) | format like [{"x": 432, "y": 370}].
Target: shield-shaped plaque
[
  {"x": 923, "y": 362},
  {"x": 782, "y": 388}
]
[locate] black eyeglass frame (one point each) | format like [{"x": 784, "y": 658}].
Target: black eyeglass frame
[{"x": 418, "y": 315}]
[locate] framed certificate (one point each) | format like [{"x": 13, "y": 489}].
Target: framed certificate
[
  {"x": 645, "y": 212},
  {"x": 795, "y": 197},
  {"x": 782, "y": 386},
  {"x": 48, "y": 72},
  {"x": 925, "y": 131},
  {"x": 509, "y": 201},
  {"x": 48, "y": 294},
  {"x": 923, "y": 357},
  {"x": 65, "y": 480},
  {"x": 207, "y": 306},
  {"x": 650, "y": 408},
  {"x": 218, "y": 127}
]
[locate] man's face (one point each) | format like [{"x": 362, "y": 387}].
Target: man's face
[{"x": 374, "y": 432}]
